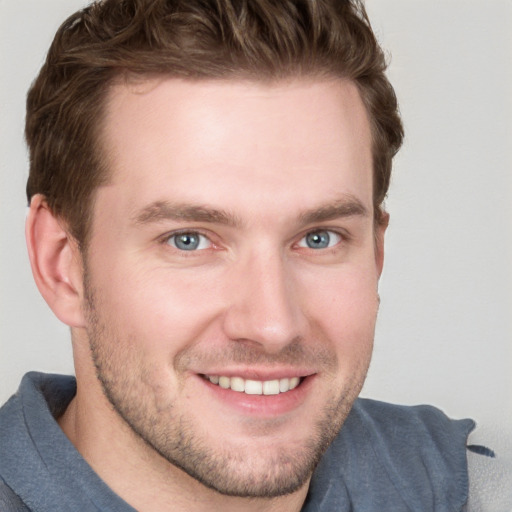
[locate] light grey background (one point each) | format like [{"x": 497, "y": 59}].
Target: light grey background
[{"x": 445, "y": 329}]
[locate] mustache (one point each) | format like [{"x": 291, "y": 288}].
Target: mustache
[{"x": 248, "y": 353}]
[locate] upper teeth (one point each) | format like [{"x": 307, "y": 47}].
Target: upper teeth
[{"x": 255, "y": 387}]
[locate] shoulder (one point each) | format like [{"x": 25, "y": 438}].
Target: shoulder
[
  {"x": 414, "y": 426},
  {"x": 40, "y": 469},
  {"x": 417, "y": 444},
  {"x": 28, "y": 430},
  {"x": 402, "y": 458}
]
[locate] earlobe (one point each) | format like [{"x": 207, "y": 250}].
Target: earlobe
[{"x": 56, "y": 262}]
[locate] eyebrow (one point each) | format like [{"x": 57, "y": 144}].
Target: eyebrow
[
  {"x": 164, "y": 210},
  {"x": 349, "y": 206}
]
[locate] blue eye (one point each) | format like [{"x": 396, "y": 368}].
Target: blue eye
[
  {"x": 190, "y": 241},
  {"x": 322, "y": 239}
]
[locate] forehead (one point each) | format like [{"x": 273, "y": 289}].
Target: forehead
[{"x": 224, "y": 141}]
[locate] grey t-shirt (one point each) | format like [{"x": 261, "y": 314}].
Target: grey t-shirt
[{"x": 386, "y": 458}]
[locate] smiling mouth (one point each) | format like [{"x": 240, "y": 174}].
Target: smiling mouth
[{"x": 254, "y": 387}]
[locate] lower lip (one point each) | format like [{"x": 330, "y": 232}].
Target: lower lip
[{"x": 262, "y": 405}]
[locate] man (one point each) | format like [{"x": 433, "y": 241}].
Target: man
[{"x": 206, "y": 214}]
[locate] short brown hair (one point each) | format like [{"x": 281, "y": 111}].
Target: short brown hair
[{"x": 192, "y": 39}]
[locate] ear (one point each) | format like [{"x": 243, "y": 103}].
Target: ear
[
  {"x": 380, "y": 230},
  {"x": 56, "y": 262}
]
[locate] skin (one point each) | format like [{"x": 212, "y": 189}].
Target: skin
[{"x": 251, "y": 169}]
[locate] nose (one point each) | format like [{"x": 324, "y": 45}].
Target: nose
[{"x": 263, "y": 306}]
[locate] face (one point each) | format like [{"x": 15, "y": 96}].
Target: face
[{"x": 231, "y": 276}]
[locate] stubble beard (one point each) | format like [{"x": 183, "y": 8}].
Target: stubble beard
[{"x": 238, "y": 471}]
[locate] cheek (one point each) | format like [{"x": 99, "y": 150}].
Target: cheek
[
  {"x": 345, "y": 308},
  {"x": 157, "y": 307}
]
